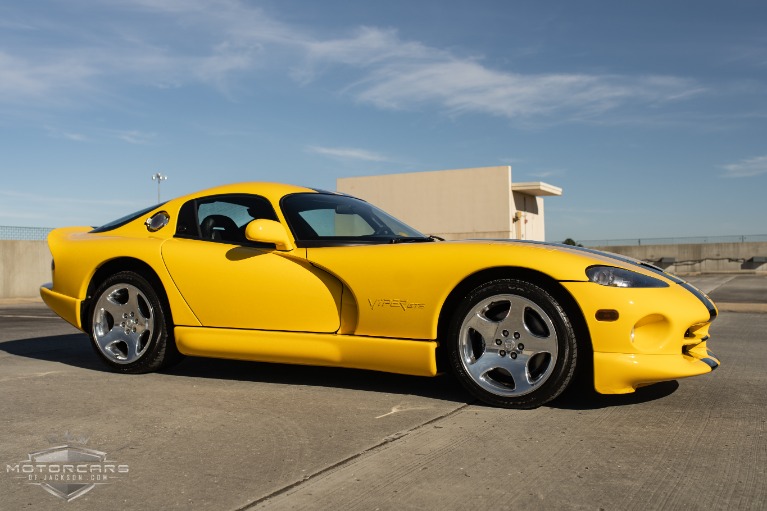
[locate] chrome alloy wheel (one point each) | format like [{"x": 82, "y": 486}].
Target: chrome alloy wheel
[
  {"x": 123, "y": 323},
  {"x": 508, "y": 345}
]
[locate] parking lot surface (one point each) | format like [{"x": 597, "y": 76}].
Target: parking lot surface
[{"x": 228, "y": 435}]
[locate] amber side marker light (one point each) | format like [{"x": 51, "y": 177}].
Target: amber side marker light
[{"x": 607, "y": 315}]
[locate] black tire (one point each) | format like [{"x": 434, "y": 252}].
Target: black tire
[
  {"x": 511, "y": 344},
  {"x": 130, "y": 327}
]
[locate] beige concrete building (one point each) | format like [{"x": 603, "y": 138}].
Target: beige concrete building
[{"x": 459, "y": 204}]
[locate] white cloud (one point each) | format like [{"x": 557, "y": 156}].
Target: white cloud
[
  {"x": 225, "y": 42},
  {"x": 370, "y": 46},
  {"x": 463, "y": 86},
  {"x": 544, "y": 174},
  {"x": 135, "y": 136},
  {"x": 15, "y": 25},
  {"x": 38, "y": 79},
  {"x": 347, "y": 153},
  {"x": 747, "y": 168},
  {"x": 66, "y": 135},
  {"x": 130, "y": 136}
]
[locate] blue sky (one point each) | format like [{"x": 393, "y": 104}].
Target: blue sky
[{"x": 652, "y": 115}]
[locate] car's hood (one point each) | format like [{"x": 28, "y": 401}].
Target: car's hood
[{"x": 626, "y": 260}]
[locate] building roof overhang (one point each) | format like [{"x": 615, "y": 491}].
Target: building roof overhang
[{"x": 537, "y": 188}]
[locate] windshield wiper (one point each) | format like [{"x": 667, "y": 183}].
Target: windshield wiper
[{"x": 410, "y": 239}]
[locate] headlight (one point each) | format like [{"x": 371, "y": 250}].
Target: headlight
[{"x": 618, "y": 277}]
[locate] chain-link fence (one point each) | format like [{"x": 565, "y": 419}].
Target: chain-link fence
[{"x": 24, "y": 233}]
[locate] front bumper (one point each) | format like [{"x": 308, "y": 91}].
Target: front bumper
[
  {"x": 654, "y": 335},
  {"x": 622, "y": 373}
]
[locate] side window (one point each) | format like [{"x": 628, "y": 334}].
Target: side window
[{"x": 222, "y": 218}]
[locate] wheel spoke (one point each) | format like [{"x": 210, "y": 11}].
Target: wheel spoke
[
  {"x": 131, "y": 341},
  {"x": 518, "y": 370},
  {"x": 133, "y": 306},
  {"x": 487, "y": 362},
  {"x": 515, "y": 319},
  {"x": 113, "y": 307},
  {"x": 142, "y": 327},
  {"x": 482, "y": 325},
  {"x": 534, "y": 345},
  {"x": 113, "y": 336}
]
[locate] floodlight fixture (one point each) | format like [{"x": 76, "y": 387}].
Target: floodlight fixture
[{"x": 159, "y": 178}]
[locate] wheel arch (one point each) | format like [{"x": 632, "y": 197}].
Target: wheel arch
[
  {"x": 584, "y": 368},
  {"x": 118, "y": 265}
]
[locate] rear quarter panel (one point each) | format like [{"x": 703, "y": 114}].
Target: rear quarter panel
[{"x": 78, "y": 254}]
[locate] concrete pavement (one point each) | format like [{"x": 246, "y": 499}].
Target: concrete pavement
[{"x": 212, "y": 434}]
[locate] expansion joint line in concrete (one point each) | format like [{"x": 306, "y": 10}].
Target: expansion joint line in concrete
[{"x": 330, "y": 468}]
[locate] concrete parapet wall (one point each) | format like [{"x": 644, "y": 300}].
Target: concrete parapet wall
[
  {"x": 24, "y": 266},
  {"x": 699, "y": 258}
]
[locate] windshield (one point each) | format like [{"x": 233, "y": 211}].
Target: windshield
[{"x": 340, "y": 218}]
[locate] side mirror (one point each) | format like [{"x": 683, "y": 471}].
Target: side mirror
[{"x": 269, "y": 231}]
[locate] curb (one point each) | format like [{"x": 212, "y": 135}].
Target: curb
[{"x": 741, "y": 307}]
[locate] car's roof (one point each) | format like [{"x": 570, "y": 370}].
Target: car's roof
[{"x": 272, "y": 191}]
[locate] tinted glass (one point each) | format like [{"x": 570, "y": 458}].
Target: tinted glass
[
  {"x": 222, "y": 217},
  {"x": 114, "y": 224},
  {"x": 316, "y": 216}
]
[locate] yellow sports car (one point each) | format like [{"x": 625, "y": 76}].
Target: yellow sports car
[{"x": 281, "y": 273}]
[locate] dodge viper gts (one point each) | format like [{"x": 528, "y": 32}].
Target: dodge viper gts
[{"x": 280, "y": 273}]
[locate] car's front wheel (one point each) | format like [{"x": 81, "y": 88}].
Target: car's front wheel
[
  {"x": 511, "y": 344},
  {"x": 129, "y": 326}
]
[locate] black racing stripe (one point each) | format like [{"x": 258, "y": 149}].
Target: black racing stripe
[
  {"x": 702, "y": 297},
  {"x": 710, "y": 362}
]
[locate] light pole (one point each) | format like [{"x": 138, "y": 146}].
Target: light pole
[{"x": 159, "y": 178}]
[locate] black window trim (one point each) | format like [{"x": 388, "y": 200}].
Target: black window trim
[{"x": 213, "y": 198}]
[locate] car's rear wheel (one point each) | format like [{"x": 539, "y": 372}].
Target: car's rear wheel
[
  {"x": 129, "y": 325},
  {"x": 511, "y": 344}
]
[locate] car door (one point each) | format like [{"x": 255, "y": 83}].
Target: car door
[{"x": 230, "y": 282}]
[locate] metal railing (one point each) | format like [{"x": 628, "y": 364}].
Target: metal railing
[
  {"x": 739, "y": 238},
  {"x": 41, "y": 233},
  {"x": 24, "y": 233}
]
